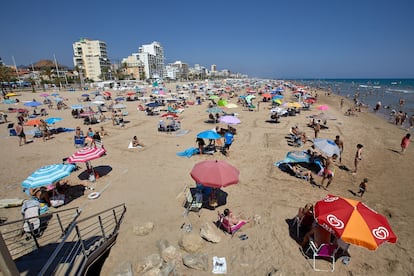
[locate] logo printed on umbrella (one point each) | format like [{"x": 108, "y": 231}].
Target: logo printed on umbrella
[
  {"x": 335, "y": 222},
  {"x": 380, "y": 233},
  {"x": 330, "y": 199}
]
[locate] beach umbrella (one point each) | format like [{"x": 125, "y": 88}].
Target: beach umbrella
[
  {"x": 77, "y": 106},
  {"x": 297, "y": 157},
  {"x": 310, "y": 100},
  {"x": 326, "y": 146},
  {"x": 97, "y": 102},
  {"x": 99, "y": 98},
  {"x": 169, "y": 115},
  {"x": 277, "y": 101},
  {"x": 213, "y": 97},
  {"x": 292, "y": 104},
  {"x": 353, "y": 222},
  {"x": 119, "y": 99},
  {"x": 86, "y": 154},
  {"x": 47, "y": 175},
  {"x": 131, "y": 93},
  {"x": 250, "y": 97},
  {"x": 152, "y": 104},
  {"x": 22, "y": 110},
  {"x": 230, "y": 120},
  {"x": 214, "y": 109},
  {"x": 32, "y": 122},
  {"x": 208, "y": 134},
  {"x": 323, "y": 107},
  {"x": 87, "y": 113},
  {"x": 119, "y": 106},
  {"x": 85, "y": 95},
  {"x": 266, "y": 95},
  {"x": 222, "y": 103},
  {"x": 107, "y": 94},
  {"x": 215, "y": 173},
  {"x": 53, "y": 120},
  {"x": 55, "y": 94},
  {"x": 277, "y": 97},
  {"x": 32, "y": 104},
  {"x": 44, "y": 95},
  {"x": 231, "y": 105},
  {"x": 11, "y": 94}
]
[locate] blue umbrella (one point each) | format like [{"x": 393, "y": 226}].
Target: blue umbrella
[
  {"x": 277, "y": 97},
  {"x": 327, "y": 147},
  {"x": 58, "y": 100},
  {"x": 8, "y": 101},
  {"x": 53, "y": 120},
  {"x": 33, "y": 104},
  {"x": 76, "y": 106},
  {"x": 120, "y": 99},
  {"x": 55, "y": 94},
  {"x": 295, "y": 157},
  {"x": 152, "y": 104},
  {"x": 215, "y": 109},
  {"x": 208, "y": 134},
  {"x": 85, "y": 95},
  {"x": 47, "y": 175}
]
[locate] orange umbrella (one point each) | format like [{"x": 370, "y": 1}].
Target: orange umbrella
[
  {"x": 32, "y": 122},
  {"x": 353, "y": 222}
]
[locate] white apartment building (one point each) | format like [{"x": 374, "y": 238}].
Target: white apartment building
[
  {"x": 91, "y": 57},
  {"x": 152, "y": 55}
]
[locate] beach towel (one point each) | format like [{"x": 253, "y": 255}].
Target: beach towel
[
  {"x": 130, "y": 146},
  {"x": 219, "y": 265},
  {"x": 188, "y": 152}
]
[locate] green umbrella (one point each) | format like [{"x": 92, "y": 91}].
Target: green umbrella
[{"x": 222, "y": 103}]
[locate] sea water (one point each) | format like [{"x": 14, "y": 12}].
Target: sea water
[{"x": 388, "y": 91}]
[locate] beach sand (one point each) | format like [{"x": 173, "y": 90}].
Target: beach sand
[{"x": 151, "y": 181}]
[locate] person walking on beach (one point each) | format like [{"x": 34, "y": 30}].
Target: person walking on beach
[
  {"x": 342, "y": 103},
  {"x": 329, "y": 170},
  {"x": 228, "y": 140},
  {"x": 363, "y": 187},
  {"x": 411, "y": 122},
  {"x": 358, "y": 157},
  {"x": 340, "y": 145},
  {"x": 20, "y": 133},
  {"x": 405, "y": 142}
]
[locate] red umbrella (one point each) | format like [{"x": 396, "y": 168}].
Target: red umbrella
[
  {"x": 353, "y": 222},
  {"x": 107, "y": 94},
  {"x": 32, "y": 122},
  {"x": 215, "y": 173},
  {"x": 310, "y": 100},
  {"x": 169, "y": 115},
  {"x": 267, "y": 95},
  {"x": 86, "y": 154},
  {"x": 131, "y": 94}
]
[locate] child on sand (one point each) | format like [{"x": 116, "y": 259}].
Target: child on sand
[{"x": 363, "y": 187}]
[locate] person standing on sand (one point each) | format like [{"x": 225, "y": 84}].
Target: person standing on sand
[
  {"x": 340, "y": 145},
  {"x": 342, "y": 103},
  {"x": 358, "y": 157},
  {"x": 405, "y": 142},
  {"x": 329, "y": 170},
  {"x": 20, "y": 133},
  {"x": 411, "y": 122},
  {"x": 317, "y": 128}
]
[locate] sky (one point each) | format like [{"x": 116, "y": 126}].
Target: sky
[{"x": 260, "y": 38}]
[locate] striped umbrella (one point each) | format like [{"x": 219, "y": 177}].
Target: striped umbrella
[
  {"x": 86, "y": 154},
  {"x": 47, "y": 175},
  {"x": 353, "y": 222}
]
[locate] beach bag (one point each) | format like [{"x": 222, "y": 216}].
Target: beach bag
[{"x": 57, "y": 200}]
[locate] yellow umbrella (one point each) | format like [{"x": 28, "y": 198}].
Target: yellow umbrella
[
  {"x": 293, "y": 104},
  {"x": 11, "y": 94}
]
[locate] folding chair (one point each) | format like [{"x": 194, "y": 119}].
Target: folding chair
[
  {"x": 324, "y": 251},
  {"x": 224, "y": 224},
  {"x": 193, "y": 203},
  {"x": 79, "y": 142}
]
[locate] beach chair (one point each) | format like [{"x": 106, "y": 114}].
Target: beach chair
[
  {"x": 79, "y": 142},
  {"x": 224, "y": 224},
  {"x": 31, "y": 212},
  {"x": 324, "y": 251},
  {"x": 193, "y": 203}
]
